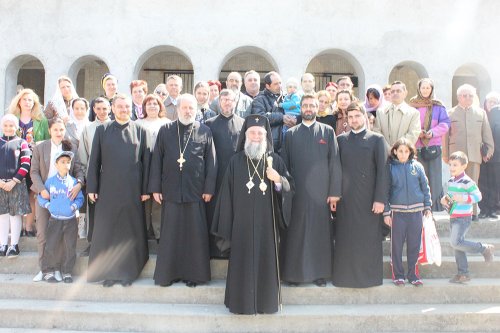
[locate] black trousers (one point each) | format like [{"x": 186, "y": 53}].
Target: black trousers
[
  {"x": 489, "y": 185},
  {"x": 61, "y": 245}
]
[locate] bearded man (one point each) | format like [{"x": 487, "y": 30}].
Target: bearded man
[
  {"x": 182, "y": 179},
  {"x": 254, "y": 201}
]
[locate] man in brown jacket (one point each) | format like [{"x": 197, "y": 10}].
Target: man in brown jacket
[{"x": 470, "y": 132}]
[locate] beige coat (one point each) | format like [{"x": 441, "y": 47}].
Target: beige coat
[
  {"x": 468, "y": 130},
  {"x": 404, "y": 122}
]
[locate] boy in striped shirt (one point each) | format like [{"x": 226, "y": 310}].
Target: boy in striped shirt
[{"x": 464, "y": 193}]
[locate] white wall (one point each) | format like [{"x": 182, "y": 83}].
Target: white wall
[{"x": 440, "y": 35}]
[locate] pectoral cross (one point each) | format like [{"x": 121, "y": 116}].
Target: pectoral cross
[{"x": 181, "y": 161}]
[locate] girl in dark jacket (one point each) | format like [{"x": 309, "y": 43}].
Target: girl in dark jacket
[{"x": 409, "y": 196}]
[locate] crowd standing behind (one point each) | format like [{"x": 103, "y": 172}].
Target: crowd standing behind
[{"x": 186, "y": 170}]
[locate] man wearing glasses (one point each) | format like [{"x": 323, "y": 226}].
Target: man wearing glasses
[{"x": 470, "y": 132}]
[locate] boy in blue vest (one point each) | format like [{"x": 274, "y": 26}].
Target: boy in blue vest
[
  {"x": 62, "y": 229},
  {"x": 462, "y": 194}
]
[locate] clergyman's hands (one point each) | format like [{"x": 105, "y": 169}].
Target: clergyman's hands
[
  {"x": 378, "y": 207},
  {"x": 332, "y": 201}
]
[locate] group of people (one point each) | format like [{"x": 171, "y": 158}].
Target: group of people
[{"x": 295, "y": 188}]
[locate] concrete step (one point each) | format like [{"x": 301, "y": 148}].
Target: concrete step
[
  {"x": 27, "y": 263},
  {"x": 155, "y": 317},
  {"x": 447, "y": 250},
  {"x": 435, "y": 291}
]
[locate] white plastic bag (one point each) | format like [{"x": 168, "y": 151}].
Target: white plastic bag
[{"x": 430, "y": 248}]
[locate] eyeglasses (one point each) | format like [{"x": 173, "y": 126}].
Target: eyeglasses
[
  {"x": 161, "y": 93},
  {"x": 467, "y": 95},
  {"x": 226, "y": 100}
]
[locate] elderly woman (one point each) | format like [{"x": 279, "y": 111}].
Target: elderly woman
[
  {"x": 154, "y": 119},
  {"x": 33, "y": 128},
  {"x": 60, "y": 104},
  {"x": 15, "y": 159},
  {"x": 489, "y": 176},
  {"x": 43, "y": 167},
  {"x": 434, "y": 123},
  {"x": 202, "y": 95},
  {"x": 325, "y": 112}
]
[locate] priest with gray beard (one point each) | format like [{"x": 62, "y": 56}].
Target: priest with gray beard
[
  {"x": 254, "y": 202},
  {"x": 182, "y": 179}
]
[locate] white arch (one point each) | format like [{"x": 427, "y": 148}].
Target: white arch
[
  {"x": 249, "y": 49},
  {"x": 155, "y": 50}
]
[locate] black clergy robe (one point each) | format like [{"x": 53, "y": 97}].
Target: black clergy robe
[
  {"x": 243, "y": 222},
  {"x": 358, "y": 235},
  {"x": 225, "y": 132},
  {"x": 118, "y": 172},
  {"x": 183, "y": 250},
  {"x": 312, "y": 158}
]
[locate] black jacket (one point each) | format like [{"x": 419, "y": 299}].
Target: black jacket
[
  {"x": 266, "y": 104},
  {"x": 494, "y": 119}
]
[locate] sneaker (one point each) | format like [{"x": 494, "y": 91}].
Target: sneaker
[
  {"x": 58, "y": 276},
  {"x": 488, "y": 252},
  {"x": 3, "y": 250},
  {"x": 460, "y": 278},
  {"x": 67, "y": 278},
  {"x": 417, "y": 283},
  {"x": 399, "y": 282},
  {"x": 13, "y": 251},
  {"x": 50, "y": 278},
  {"x": 38, "y": 277}
]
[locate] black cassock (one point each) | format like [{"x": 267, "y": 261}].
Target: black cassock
[
  {"x": 358, "y": 260},
  {"x": 243, "y": 222},
  {"x": 225, "y": 132},
  {"x": 118, "y": 172},
  {"x": 183, "y": 251},
  {"x": 312, "y": 158}
]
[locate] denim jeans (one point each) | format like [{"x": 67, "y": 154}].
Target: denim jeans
[{"x": 458, "y": 228}]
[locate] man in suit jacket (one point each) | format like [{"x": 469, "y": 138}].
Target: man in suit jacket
[
  {"x": 40, "y": 167},
  {"x": 398, "y": 120},
  {"x": 174, "y": 88}
]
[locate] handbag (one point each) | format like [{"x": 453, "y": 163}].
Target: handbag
[
  {"x": 430, "y": 247},
  {"x": 430, "y": 153}
]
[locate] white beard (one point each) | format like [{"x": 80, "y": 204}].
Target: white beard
[
  {"x": 255, "y": 150},
  {"x": 186, "y": 121}
]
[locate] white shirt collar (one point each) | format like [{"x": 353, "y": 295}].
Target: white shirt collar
[{"x": 359, "y": 131}]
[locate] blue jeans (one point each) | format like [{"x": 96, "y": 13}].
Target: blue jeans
[{"x": 458, "y": 228}]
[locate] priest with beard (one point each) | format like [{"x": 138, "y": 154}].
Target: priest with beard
[
  {"x": 357, "y": 252},
  {"x": 254, "y": 201},
  {"x": 182, "y": 179},
  {"x": 117, "y": 181},
  {"x": 311, "y": 155},
  {"x": 225, "y": 129}
]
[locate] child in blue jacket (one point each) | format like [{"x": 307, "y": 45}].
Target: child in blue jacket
[
  {"x": 409, "y": 196},
  {"x": 63, "y": 225},
  {"x": 291, "y": 102}
]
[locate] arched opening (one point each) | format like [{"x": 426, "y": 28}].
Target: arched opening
[
  {"x": 247, "y": 58},
  {"x": 475, "y": 75},
  {"x": 330, "y": 65},
  {"x": 408, "y": 72},
  {"x": 86, "y": 73},
  {"x": 158, "y": 63},
  {"x": 27, "y": 71}
]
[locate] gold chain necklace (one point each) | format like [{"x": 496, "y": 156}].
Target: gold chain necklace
[
  {"x": 251, "y": 184},
  {"x": 181, "y": 159}
]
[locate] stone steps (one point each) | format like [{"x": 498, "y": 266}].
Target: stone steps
[
  {"x": 27, "y": 263},
  {"x": 435, "y": 291},
  {"x": 155, "y": 317}
]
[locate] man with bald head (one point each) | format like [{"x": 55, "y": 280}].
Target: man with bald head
[
  {"x": 243, "y": 102},
  {"x": 182, "y": 179}
]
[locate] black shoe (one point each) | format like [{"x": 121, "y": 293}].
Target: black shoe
[
  {"x": 3, "y": 250},
  {"x": 191, "y": 284},
  {"x": 86, "y": 252},
  {"x": 30, "y": 233},
  {"x": 126, "y": 283},
  {"x": 483, "y": 215},
  {"x": 67, "y": 278},
  {"x": 475, "y": 218},
  {"x": 13, "y": 251},
  {"x": 108, "y": 283},
  {"x": 23, "y": 233},
  {"x": 320, "y": 282},
  {"x": 493, "y": 215},
  {"x": 293, "y": 284},
  {"x": 50, "y": 278}
]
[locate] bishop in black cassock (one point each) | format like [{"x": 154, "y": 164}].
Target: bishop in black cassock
[
  {"x": 247, "y": 216},
  {"x": 117, "y": 178},
  {"x": 311, "y": 156},
  {"x": 358, "y": 234},
  {"x": 182, "y": 178},
  {"x": 225, "y": 129}
]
